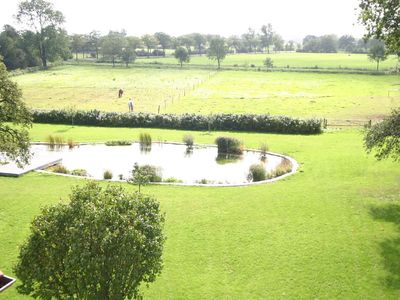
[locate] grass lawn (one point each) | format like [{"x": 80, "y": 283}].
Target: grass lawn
[
  {"x": 96, "y": 87},
  {"x": 337, "y": 97},
  {"x": 330, "y": 231},
  {"x": 293, "y": 60}
]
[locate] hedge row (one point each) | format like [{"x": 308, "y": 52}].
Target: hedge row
[{"x": 224, "y": 122}]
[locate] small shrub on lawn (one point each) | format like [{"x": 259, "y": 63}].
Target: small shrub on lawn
[
  {"x": 268, "y": 62},
  {"x": 229, "y": 145},
  {"x": 188, "y": 140},
  {"x": 79, "y": 172},
  {"x": 257, "y": 173},
  {"x": 118, "y": 143},
  {"x": 107, "y": 175}
]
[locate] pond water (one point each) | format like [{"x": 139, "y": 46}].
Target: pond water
[{"x": 173, "y": 161}]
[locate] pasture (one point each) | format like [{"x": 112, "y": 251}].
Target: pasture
[
  {"x": 289, "y": 59},
  {"x": 330, "y": 231},
  {"x": 341, "y": 98}
]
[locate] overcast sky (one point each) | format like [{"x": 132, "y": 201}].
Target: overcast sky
[{"x": 293, "y": 19}]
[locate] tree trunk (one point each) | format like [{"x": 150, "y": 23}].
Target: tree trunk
[
  {"x": 181, "y": 64},
  {"x": 377, "y": 65},
  {"x": 76, "y": 55},
  {"x": 113, "y": 61},
  {"x": 219, "y": 64}
]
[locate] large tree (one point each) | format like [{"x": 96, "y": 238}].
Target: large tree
[
  {"x": 44, "y": 20},
  {"x": 381, "y": 19},
  {"x": 14, "y": 138},
  {"x": 217, "y": 50},
  {"x": 102, "y": 244},
  {"x": 384, "y": 137},
  {"x": 13, "y": 56}
]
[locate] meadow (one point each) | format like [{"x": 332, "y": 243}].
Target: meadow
[
  {"x": 288, "y": 59},
  {"x": 332, "y": 230},
  {"x": 329, "y": 231},
  {"x": 340, "y": 98}
]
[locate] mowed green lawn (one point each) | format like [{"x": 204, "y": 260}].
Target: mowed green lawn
[
  {"x": 331, "y": 231},
  {"x": 337, "y": 97},
  {"x": 96, "y": 87},
  {"x": 291, "y": 59}
]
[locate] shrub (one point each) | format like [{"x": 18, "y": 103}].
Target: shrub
[
  {"x": 145, "y": 139},
  {"x": 142, "y": 175},
  {"x": 107, "y": 238},
  {"x": 79, "y": 172},
  {"x": 118, "y": 143},
  {"x": 223, "y": 122},
  {"x": 284, "y": 167},
  {"x": 59, "y": 168},
  {"x": 71, "y": 144},
  {"x": 55, "y": 142},
  {"x": 229, "y": 145},
  {"x": 107, "y": 175},
  {"x": 268, "y": 62},
  {"x": 172, "y": 180},
  {"x": 257, "y": 173},
  {"x": 188, "y": 140}
]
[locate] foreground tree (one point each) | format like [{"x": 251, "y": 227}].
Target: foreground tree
[
  {"x": 40, "y": 16},
  {"x": 182, "y": 55},
  {"x": 382, "y": 21},
  {"x": 217, "y": 50},
  {"x": 14, "y": 139},
  {"x": 384, "y": 137},
  {"x": 100, "y": 245},
  {"x": 377, "y": 53}
]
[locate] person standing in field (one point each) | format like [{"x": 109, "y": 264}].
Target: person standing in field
[{"x": 130, "y": 105}]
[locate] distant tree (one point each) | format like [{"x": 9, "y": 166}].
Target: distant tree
[
  {"x": 15, "y": 119},
  {"x": 182, "y": 55},
  {"x": 290, "y": 46},
  {"x": 186, "y": 41},
  {"x": 250, "y": 39},
  {"x": 217, "y": 50},
  {"x": 102, "y": 244},
  {"x": 149, "y": 42},
  {"x": 57, "y": 44},
  {"x": 128, "y": 54},
  {"x": 40, "y": 16},
  {"x": 268, "y": 62},
  {"x": 267, "y": 36},
  {"x": 377, "y": 53},
  {"x": 311, "y": 43},
  {"x": 112, "y": 45},
  {"x": 94, "y": 43},
  {"x": 347, "y": 43},
  {"x": 134, "y": 42},
  {"x": 164, "y": 40},
  {"x": 77, "y": 44},
  {"x": 10, "y": 48},
  {"x": 384, "y": 137},
  {"x": 235, "y": 43},
  {"x": 328, "y": 44},
  {"x": 199, "y": 42},
  {"x": 278, "y": 43},
  {"x": 381, "y": 19}
]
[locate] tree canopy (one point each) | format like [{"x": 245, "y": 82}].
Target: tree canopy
[
  {"x": 384, "y": 137},
  {"x": 102, "y": 244},
  {"x": 14, "y": 138},
  {"x": 217, "y": 50},
  {"x": 182, "y": 55}
]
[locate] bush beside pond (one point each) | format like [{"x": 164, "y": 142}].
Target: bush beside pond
[{"x": 237, "y": 122}]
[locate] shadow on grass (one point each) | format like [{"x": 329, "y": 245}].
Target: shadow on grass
[
  {"x": 64, "y": 130},
  {"x": 390, "y": 248}
]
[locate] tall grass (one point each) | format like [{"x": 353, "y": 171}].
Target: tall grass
[
  {"x": 284, "y": 167},
  {"x": 145, "y": 142},
  {"x": 55, "y": 142}
]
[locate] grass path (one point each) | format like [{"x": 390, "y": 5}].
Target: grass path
[{"x": 327, "y": 232}]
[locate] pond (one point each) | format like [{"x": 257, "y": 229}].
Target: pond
[{"x": 199, "y": 165}]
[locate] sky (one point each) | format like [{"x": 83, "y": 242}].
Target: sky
[{"x": 293, "y": 19}]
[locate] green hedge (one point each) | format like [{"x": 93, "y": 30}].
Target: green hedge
[{"x": 224, "y": 122}]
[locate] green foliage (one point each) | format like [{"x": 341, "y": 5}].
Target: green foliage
[
  {"x": 268, "y": 62},
  {"x": 188, "y": 140},
  {"x": 229, "y": 145},
  {"x": 238, "y": 122},
  {"x": 381, "y": 20},
  {"x": 102, "y": 244},
  {"x": 377, "y": 53},
  {"x": 257, "y": 173},
  {"x": 217, "y": 50},
  {"x": 14, "y": 139},
  {"x": 172, "y": 180},
  {"x": 182, "y": 55},
  {"x": 112, "y": 45},
  {"x": 107, "y": 175},
  {"x": 118, "y": 143},
  {"x": 143, "y": 175},
  {"x": 284, "y": 167},
  {"x": 79, "y": 172},
  {"x": 384, "y": 137}
]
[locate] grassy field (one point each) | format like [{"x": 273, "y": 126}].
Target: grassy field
[
  {"x": 96, "y": 87},
  {"x": 293, "y": 60},
  {"x": 330, "y": 231},
  {"x": 337, "y": 97}
]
